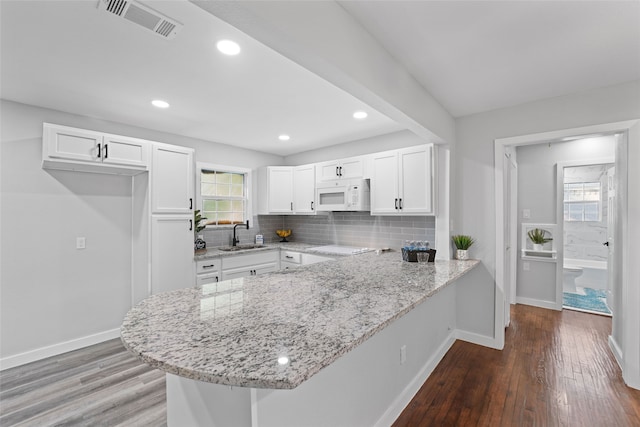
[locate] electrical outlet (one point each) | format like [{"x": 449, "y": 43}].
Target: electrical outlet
[
  {"x": 81, "y": 243},
  {"x": 403, "y": 354},
  {"x": 526, "y": 266}
]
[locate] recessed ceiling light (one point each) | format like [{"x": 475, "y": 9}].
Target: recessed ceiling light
[
  {"x": 228, "y": 47},
  {"x": 283, "y": 360},
  {"x": 360, "y": 115},
  {"x": 284, "y": 137},
  {"x": 160, "y": 103}
]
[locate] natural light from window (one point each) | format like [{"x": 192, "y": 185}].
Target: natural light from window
[
  {"x": 582, "y": 201},
  {"x": 223, "y": 195}
]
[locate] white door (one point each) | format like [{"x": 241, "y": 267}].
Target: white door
[
  {"x": 509, "y": 230},
  {"x": 73, "y": 144},
  {"x": 384, "y": 183},
  {"x": 281, "y": 189},
  {"x": 351, "y": 168},
  {"x": 119, "y": 150},
  {"x": 172, "y": 179},
  {"x": 304, "y": 189},
  {"x": 415, "y": 186},
  {"x": 172, "y": 265},
  {"x": 611, "y": 226}
]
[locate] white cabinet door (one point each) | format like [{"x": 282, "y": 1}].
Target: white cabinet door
[
  {"x": 384, "y": 183},
  {"x": 280, "y": 190},
  {"x": 172, "y": 179},
  {"x": 236, "y": 273},
  {"x": 304, "y": 189},
  {"x": 172, "y": 265},
  {"x": 352, "y": 167},
  {"x": 327, "y": 171},
  {"x": 120, "y": 150},
  {"x": 416, "y": 181},
  {"x": 62, "y": 142}
]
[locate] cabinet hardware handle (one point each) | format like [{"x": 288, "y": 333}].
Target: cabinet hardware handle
[
  {"x": 337, "y": 173},
  {"x": 106, "y": 151},
  {"x": 289, "y": 256},
  {"x": 190, "y": 203},
  {"x": 190, "y": 225},
  {"x": 209, "y": 266},
  {"x": 606, "y": 243},
  {"x": 99, "y": 151},
  {"x": 400, "y": 204},
  {"x": 217, "y": 280},
  {"x": 312, "y": 205},
  {"x": 291, "y": 206},
  {"x": 340, "y": 170},
  {"x": 396, "y": 203}
]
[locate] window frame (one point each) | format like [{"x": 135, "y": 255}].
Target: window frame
[
  {"x": 583, "y": 202},
  {"x": 248, "y": 214}
]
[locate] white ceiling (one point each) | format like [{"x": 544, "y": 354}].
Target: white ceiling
[
  {"x": 472, "y": 56},
  {"x": 476, "y": 56},
  {"x": 70, "y": 56}
]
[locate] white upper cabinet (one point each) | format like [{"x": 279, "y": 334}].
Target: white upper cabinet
[
  {"x": 70, "y": 148},
  {"x": 304, "y": 189},
  {"x": 172, "y": 179},
  {"x": 287, "y": 190},
  {"x": 402, "y": 182},
  {"x": 352, "y": 167},
  {"x": 280, "y": 189}
]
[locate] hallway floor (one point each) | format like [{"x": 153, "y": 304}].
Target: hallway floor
[{"x": 556, "y": 369}]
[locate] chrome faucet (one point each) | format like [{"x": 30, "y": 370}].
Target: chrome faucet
[{"x": 236, "y": 241}]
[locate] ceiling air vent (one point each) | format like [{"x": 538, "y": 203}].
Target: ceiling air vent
[{"x": 143, "y": 16}]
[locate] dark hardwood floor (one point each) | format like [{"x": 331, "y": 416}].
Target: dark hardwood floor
[{"x": 556, "y": 370}]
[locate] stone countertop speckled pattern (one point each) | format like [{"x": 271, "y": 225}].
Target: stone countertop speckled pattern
[{"x": 235, "y": 332}]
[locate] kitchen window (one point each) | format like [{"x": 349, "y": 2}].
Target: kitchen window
[
  {"x": 223, "y": 194},
  {"x": 582, "y": 201}
]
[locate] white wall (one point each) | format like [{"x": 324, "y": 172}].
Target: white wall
[
  {"x": 537, "y": 193},
  {"x": 50, "y": 292},
  {"x": 473, "y": 200}
]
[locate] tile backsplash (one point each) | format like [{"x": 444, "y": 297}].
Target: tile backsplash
[{"x": 339, "y": 228}]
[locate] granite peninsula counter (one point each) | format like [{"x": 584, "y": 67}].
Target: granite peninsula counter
[{"x": 275, "y": 331}]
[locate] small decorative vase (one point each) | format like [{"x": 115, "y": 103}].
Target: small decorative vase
[
  {"x": 199, "y": 244},
  {"x": 537, "y": 246},
  {"x": 462, "y": 254}
]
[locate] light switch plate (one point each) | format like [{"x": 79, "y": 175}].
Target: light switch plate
[
  {"x": 526, "y": 213},
  {"x": 81, "y": 243}
]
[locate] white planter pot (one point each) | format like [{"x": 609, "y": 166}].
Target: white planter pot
[
  {"x": 537, "y": 246},
  {"x": 462, "y": 254}
]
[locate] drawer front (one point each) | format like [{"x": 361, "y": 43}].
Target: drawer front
[
  {"x": 203, "y": 279},
  {"x": 239, "y": 261},
  {"x": 288, "y": 256},
  {"x": 208, "y": 266}
]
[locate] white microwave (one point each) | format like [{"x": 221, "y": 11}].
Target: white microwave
[{"x": 343, "y": 195}]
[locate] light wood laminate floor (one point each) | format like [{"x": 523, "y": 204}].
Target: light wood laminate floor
[{"x": 556, "y": 370}]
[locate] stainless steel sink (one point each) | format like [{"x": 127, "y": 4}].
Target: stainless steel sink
[{"x": 240, "y": 247}]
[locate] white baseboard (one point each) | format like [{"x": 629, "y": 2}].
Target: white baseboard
[
  {"x": 551, "y": 305},
  {"x": 474, "y": 338},
  {"x": 55, "y": 349},
  {"x": 615, "y": 349},
  {"x": 398, "y": 405}
]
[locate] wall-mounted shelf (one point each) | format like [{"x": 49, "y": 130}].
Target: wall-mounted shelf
[{"x": 548, "y": 253}]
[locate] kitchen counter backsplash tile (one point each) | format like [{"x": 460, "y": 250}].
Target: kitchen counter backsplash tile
[
  {"x": 239, "y": 332},
  {"x": 260, "y": 224}
]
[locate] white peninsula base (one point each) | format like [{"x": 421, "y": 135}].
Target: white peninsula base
[{"x": 369, "y": 386}]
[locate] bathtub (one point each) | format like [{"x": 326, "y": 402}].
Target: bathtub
[{"x": 594, "y": 273}]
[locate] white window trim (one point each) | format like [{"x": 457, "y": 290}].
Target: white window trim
[{"x": 225, "y": 168}]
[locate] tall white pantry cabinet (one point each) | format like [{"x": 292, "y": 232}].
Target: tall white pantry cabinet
[{"x": 164, "y": 202}]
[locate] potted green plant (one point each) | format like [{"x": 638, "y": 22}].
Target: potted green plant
[
  {"x": 538, "y": 238},
  {"x": 462, "y": 243},
  {"x": 198, "y": 227}
]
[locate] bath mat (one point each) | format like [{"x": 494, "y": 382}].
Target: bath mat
[{"x": 592, "y": 300}]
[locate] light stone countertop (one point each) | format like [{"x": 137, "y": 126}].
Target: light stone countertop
[
  {"x": 235, "y": 332},
  {"x": 215, "y": 252}
]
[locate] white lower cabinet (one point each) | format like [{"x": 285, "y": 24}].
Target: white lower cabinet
[
  {"x": 171, "y": 253},
  {"x": 290, "y": 259},
  {"x": 208, "y": 271},
  {"x": 253, "y": 264}
]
